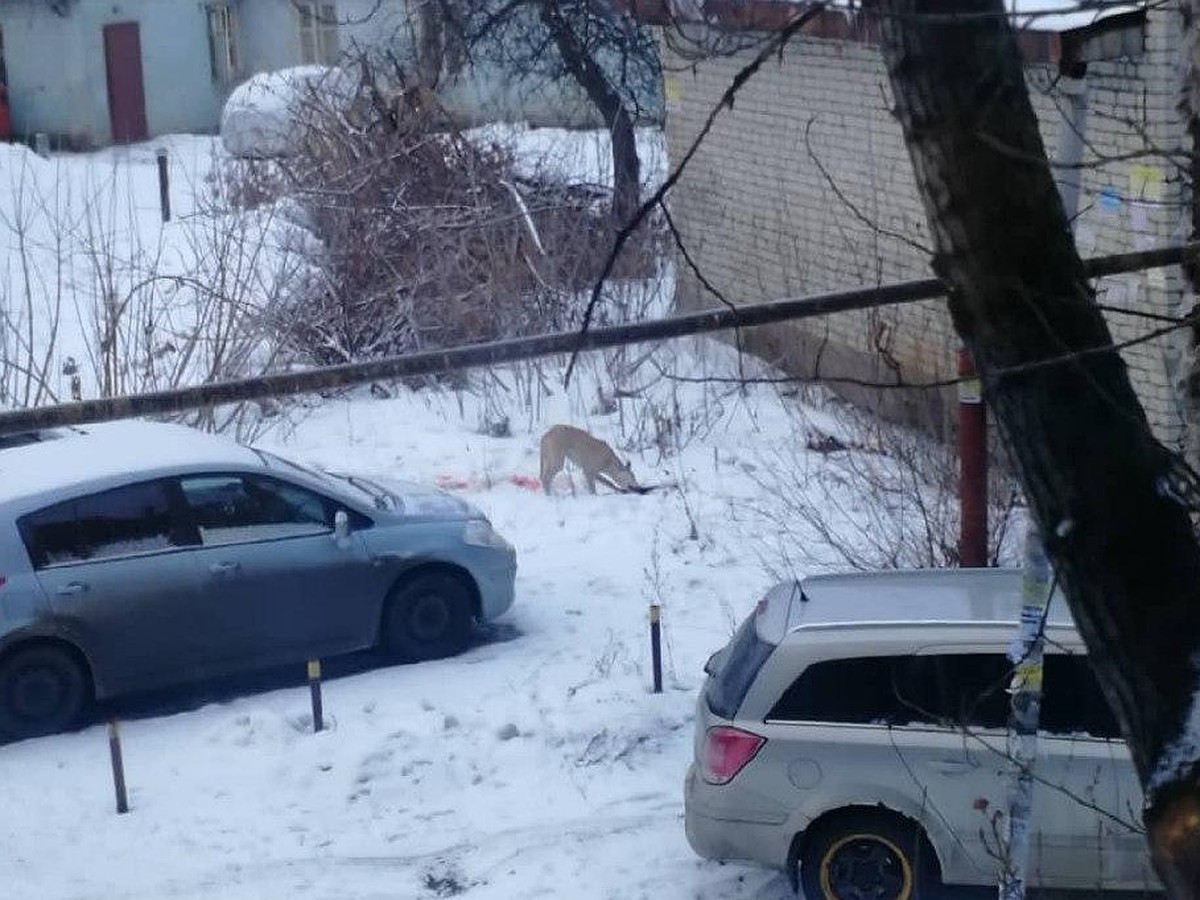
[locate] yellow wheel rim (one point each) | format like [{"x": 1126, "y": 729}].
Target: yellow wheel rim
[{"x": 851, "y": 861}]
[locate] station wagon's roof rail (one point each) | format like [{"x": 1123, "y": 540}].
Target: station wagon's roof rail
[{"x": 904, "y": 597}]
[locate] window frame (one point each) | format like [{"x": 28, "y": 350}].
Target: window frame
[
  {"x": 223, "y": 59},
  {"x": 318, "y": 31},
  {"x": 3, "y": 62}
]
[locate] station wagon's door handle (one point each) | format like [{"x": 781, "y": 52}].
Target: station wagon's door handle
[
  {"x": 72, "y": 589},
  {"x": 951, "y": 766},
  {"x": 224, "y": 568}
]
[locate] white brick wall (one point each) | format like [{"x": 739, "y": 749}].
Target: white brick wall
[{"x": 762, "y": 220}]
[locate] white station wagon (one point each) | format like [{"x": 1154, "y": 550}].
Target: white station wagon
[{"x": 853, "y": 732}]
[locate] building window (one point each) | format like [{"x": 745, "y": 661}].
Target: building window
[
  {"x": 222, "y": 43},
  {"x": 318, "y": 32}
]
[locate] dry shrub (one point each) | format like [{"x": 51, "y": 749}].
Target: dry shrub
[
  {"x": 430, "y": 240},
  {"x": 860, "y": 492}
]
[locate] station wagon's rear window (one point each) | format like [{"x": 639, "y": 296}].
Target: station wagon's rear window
[
  {"x": 120, "y": 522},
  {"x": 734, "y": 668}
]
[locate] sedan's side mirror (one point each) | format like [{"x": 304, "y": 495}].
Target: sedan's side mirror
[{"x": 341, "y": 528}]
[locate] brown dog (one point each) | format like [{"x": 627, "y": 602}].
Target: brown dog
[{"x": 594, "y": 458}]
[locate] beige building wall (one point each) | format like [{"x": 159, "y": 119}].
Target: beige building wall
[{"x": 805, "y": 186}]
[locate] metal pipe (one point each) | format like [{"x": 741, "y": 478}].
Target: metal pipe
[{"x": 431, "y": 362}]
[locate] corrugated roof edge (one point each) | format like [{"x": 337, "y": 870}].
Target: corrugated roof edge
[{"x": 1043, "y": 36}]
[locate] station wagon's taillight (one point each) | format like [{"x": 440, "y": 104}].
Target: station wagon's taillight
[{"x": 726, "y": 752}]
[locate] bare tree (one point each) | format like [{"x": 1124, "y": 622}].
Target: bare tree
[
  {"x": 596, "y": 43},
  {"x": 1112, "y": 501}
]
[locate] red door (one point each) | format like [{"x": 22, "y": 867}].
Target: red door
[{"x": 126, "y": 94}]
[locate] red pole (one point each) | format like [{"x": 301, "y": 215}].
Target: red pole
[
  {"x": 972, "y": 451},
  {"x": 5, "y": 115}
]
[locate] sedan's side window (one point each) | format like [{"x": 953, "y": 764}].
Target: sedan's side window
[
  {"x": 230, "y": 509},
  {"x": 121, "y": 522}
]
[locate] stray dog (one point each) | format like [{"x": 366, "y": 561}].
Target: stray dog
[{"x": 594, "y": 457}]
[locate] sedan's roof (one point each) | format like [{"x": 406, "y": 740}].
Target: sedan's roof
[{"x": 98, "y": 452}]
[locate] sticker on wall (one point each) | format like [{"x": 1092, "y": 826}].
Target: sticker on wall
[
  {"x": 671, "y": 89},
  {"x": 1139, "y": 217},
  {"x": 1139, "y": 222},
  {"x": 1121, "y": 291},
  {"x": 1145, "y": 183},
  {"x": 1109, "y": 201}
]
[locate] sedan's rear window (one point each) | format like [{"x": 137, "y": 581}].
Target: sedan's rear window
[
  {"x": 121, "y": 522},
  {"x": 734, "y": 668}
]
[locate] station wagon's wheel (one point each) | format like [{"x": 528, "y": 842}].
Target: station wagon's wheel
[
  {"x": 43, "y": 690},
  {"x": 428, "y": 616},
  {"x": 867, "y": 856}
]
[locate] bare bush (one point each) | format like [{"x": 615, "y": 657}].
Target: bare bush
[
  {"x": 430, "y": 239},
  {"x": 867, "y": 494},
  {"x": 92, "y": 305}
]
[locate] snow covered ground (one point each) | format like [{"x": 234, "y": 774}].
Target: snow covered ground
[{"x": 537, "y": 764}]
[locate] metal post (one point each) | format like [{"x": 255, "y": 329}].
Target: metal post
[
  {"x": 118, "y": 767},
  {"x": 314, "y": 689},
  {"x": 1026, "y": 691},
  {"x": 656, "y": 645},
  {"x": 972, "y": 452},
  {"x": 428, "y": 362},
  {"x": 164, "y": 184}
]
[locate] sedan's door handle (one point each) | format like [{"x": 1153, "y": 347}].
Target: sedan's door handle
[
  {"x": 224, "y": 568},
  {"x": 951, "y": 766},
  {"x": 72, "y": 589}
]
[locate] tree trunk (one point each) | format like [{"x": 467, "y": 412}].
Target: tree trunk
[
  {"x": 587, "y": 73},
  {"x": 1103, "y": 490},
  {"x": 429, "y": 43}
]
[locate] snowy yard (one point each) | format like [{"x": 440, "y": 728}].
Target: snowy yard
[{"x": 539, "y": 763}]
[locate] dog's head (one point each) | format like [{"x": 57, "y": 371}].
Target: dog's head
[{"x": 622, "y": 475}]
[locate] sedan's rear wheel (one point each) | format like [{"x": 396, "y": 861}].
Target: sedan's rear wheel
[
  {"x": 428, "y": 617},
  {"x": 867, "y": 856},
  {"x": 43, "y": 690}
]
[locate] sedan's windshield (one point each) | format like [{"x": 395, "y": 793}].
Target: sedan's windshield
[
  {"x": 380, "y": 496},
  {"x": 272, "y": 461},
  {"x": 373, "y": 493}
]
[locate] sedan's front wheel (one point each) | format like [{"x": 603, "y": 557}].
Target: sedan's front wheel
[
  {"x": 43, "y": 690},
  {"x": 428, "y": 617}
]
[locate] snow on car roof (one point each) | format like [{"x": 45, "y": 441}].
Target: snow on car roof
[
  {"x": 917, "y": 596},
  {"x": 111, "y": 449}
]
